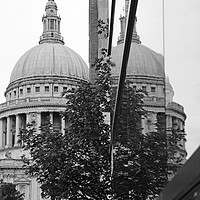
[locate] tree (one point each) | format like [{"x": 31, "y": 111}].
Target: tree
[
  {"x": 174, "y": 138},
  {"x": 48, "y": 157},
  {"x": 103, "y": 27},
  {"x": 89, "y": 141},
  {"x": 74, "y": 165},
  {"x": 143, "y": 161},
  {"x": 9, "y": 192},
  {"x": 140, "y": 160},
  {"x": 130, "y": 159}
]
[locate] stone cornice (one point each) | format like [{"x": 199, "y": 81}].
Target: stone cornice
[
  {"x": 32, "y": 106},
  {"x": 33, "y": 103}
]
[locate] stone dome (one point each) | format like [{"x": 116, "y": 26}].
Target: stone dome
[
  {"x": 142, "y": 61},
  {"x": 51, "y": 60}
]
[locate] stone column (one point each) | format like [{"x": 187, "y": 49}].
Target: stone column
[
  {"x": 144, "y": 128},
  {"x": 169, "y": 122},
  {"x": 63, "y": 125},
  {"x": 39, "y": 119},
  {"x": 4, "y": 132},
  {"x": 9, "y": 142},
  {"x": 11, "y": 178},
  {"x": 28, "y": 120},
  {"x": 154, "y": 120},
  {"x": 17, "y": 130},
  {"x": 54, "y": 21},
  {"x": 51, "y": 118},
  {"x": 1, "y": 133}
]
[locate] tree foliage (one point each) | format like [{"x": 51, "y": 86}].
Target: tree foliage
[
  {"x": 48, "y": 157},
  {"x": 140, "y": 160},
  {"x": 103, "y": 27},
  {"x": 75, "y": 165},
  {"x": 174, "y": 146},
  {"x": 89, "y": 141},
  {"x": 143, "y": 161},
  {"x": 9, "y": 192}
]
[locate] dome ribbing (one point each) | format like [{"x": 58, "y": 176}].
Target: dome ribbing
[
  {"x": 50, "y": 60},
  {"x": 142, "y": 61}
]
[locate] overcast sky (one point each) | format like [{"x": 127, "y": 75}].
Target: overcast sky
[{"x": 21, "y": 27}]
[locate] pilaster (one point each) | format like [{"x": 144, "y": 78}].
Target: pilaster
[
  {"x": 17, "y": 130},
  {"x": 9, "y": 138},
  {"x": 169, "y": 122}
]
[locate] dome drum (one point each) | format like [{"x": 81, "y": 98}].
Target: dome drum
[
  {"x": 39, "y": 88},
  {"x": 43, "y": 80}
]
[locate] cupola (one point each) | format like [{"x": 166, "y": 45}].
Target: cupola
[{"x": 51, "y": 25}]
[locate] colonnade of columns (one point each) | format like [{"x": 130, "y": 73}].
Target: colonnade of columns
[
  {"x": 174, "y": 122},
  {"x": 10, "y": 126}
]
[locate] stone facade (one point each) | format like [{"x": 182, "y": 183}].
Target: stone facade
[
  {"x": 35, "y": 90},
  {"x": 13, "y": 117}
]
